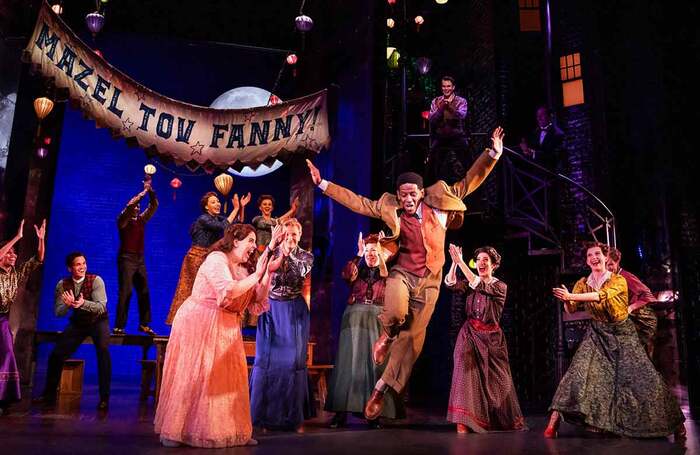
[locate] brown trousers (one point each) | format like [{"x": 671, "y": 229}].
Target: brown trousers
[{"x": 409, "y": 302}]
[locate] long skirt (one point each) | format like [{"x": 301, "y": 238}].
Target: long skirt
[
  {"x": 355, "y": 373},
  {"x": 204, "y": 399},
  {"x": 279, "y": 386},
  {"x": 645, "y": 322},
  {"x": 612, "y": 385},
  {"x": 9, "y": 374},
  {"x": 188, "y": 272},
  {"x": 482, "y": 395}
]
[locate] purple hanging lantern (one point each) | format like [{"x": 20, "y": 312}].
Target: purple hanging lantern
[
  {"x": 95, "y": 21},
  {"x": 304, "y": 23},
  {"x": 423, "y": 65}
]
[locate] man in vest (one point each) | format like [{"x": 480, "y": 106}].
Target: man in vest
[
  {"x": 131, "y": 266},
  {"x": 418, "y": 220},
  {"x": 84, "y": 296}
]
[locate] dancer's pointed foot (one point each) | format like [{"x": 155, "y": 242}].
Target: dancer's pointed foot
[
  {"x": 381, "y": 348},
  {"x": 553, "y": 426},
  {"x": 374, "y": 405}
]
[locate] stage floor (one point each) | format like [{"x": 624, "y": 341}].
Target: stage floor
[{"x": 127, "y": 429}]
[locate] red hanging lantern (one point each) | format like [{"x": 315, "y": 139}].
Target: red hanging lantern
[
  {"x": 175, "y": 184},
  {"x": 391, "y": 2},
  {"x": 292, "y": 61},
  {"x": 419, "y": 21},
  {"x": 425, "y": 115}
]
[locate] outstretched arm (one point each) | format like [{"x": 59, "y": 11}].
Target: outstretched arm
[
  {"x": 291, "y": 212},
  {"x": 481, "y": 168},
  {"x": 152, "y": 203},
  {"x": 356, "y": 203},
  {"x": 8, "y": 246}
]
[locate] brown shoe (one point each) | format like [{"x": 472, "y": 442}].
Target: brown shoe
[
  {"x": 381, "y": 348},
  {"x": 374, "y": 405}
]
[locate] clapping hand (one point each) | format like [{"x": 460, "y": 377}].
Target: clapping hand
[
  {"x": 40, "y": 231},
  {"x": 235, "y": 201},
  {"x": 562, "y": 293},
  {"x": 360, "y": 245},
  {"x": 20, "y": 231},
  {"x": 245, "y": 200},
  {"x": 456, "y": 254},
  {"x": 277, "y": 237}
]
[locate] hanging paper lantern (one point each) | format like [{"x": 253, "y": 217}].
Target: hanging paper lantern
[
  {"x": 149, "y": 169},
  {"x": 57, "y": 8},
  {"x": 42, "y": 152},
  {"x": 175, "y": 184},
  {"x": 389, "y": 51},
  {"x": 390, "y": 23},
  {"x": 47, "y": 140},
  {"x": 391, "y": 2},
  {"x": 472, "y": 264},
  {"x": 223, "y": 183},
  {"x": 394, "y": 59},
  {"x": 274, "y": 99},
  {"x": 43, "y": 107},
  {"x": 440, "y": 2},
  {"x": 292, "y": 59},
  {"x": 95, "y": 21},
  {"x": 423, "y": 65},
  {"x": 304, "y": 23},
  {"x": 419, "y": 21},
  {"x": 425, "y": 115}
]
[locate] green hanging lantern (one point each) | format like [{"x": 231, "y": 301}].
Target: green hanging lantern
[{"x": 394, "y": 59}]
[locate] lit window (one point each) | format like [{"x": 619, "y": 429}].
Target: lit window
[
  {"x": 529, "y": 15},
  {"x": 571, "y": 81}
]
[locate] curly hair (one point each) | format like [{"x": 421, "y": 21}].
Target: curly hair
[
  {"x": 205, "y": 200},
  {"x": 235, "y": 232},
  {"x": 604, "y": 248},
  {"x": 491, "y": 252},
  {"x": 615, "y": 254},
  {"x": 264, "y": 197}
]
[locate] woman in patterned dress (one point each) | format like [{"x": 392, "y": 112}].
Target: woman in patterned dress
[
  {"x": 264, "y": 222},
  {"x": 204, "y": 399},
  {"x": 482, "y": 396},
  {"x": 611, "y": 385}
]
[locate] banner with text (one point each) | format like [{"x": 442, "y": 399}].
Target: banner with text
[{"x": 186, "y": 133}]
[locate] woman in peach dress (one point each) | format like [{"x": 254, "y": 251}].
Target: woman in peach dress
[{"x": 204, "y": 399}]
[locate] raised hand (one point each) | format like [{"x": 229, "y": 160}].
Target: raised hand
[
  {"x": 20, "y": 231},
  {"x": 360, "y": 245},
  {"x": 456, "y": 254},
  {"x": 245, "y": 199},
  {"x": 497, "y": 139},
  {"x": 561, "y": 293},
  {"x": 315, "y": 174},
  {"x": 277, "y": 236},
  {"x": 235, "y": 201},
  {"x": 274, "y": 264},
  {"x": 41, "y": 231},
  {"x": 261, "y": 266}
]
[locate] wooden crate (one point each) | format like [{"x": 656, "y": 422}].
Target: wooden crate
[{"x": 72, "y": 377}]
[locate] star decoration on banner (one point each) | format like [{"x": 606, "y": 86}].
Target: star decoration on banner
[
  {"x": 140, "y": 95},
  {"x": 127, "y": 124},
  {"x": 309, "y": 142},
  {"x": 85, "y": 102},
  {"x": 248, "y": 117},
  {"x": 196, "y": 149}
]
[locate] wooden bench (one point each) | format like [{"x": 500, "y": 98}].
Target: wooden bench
[{"x": 153, "y": 369}]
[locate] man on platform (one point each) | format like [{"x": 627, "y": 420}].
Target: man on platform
[
  {"x": 543, "y": 146},
  {"x": 130, "y": 262},
  {"x": 418, "y": 219},
  {"x": 85, "y": 295},
  {"x": 448, "y": 139}
]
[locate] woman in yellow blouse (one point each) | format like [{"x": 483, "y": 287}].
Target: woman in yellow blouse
[{"x": 611, "y": 385}]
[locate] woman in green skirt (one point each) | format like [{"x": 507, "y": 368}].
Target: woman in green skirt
[
  {"x": 611, "y": 385},
  {"x": 355, "y": 374}
]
